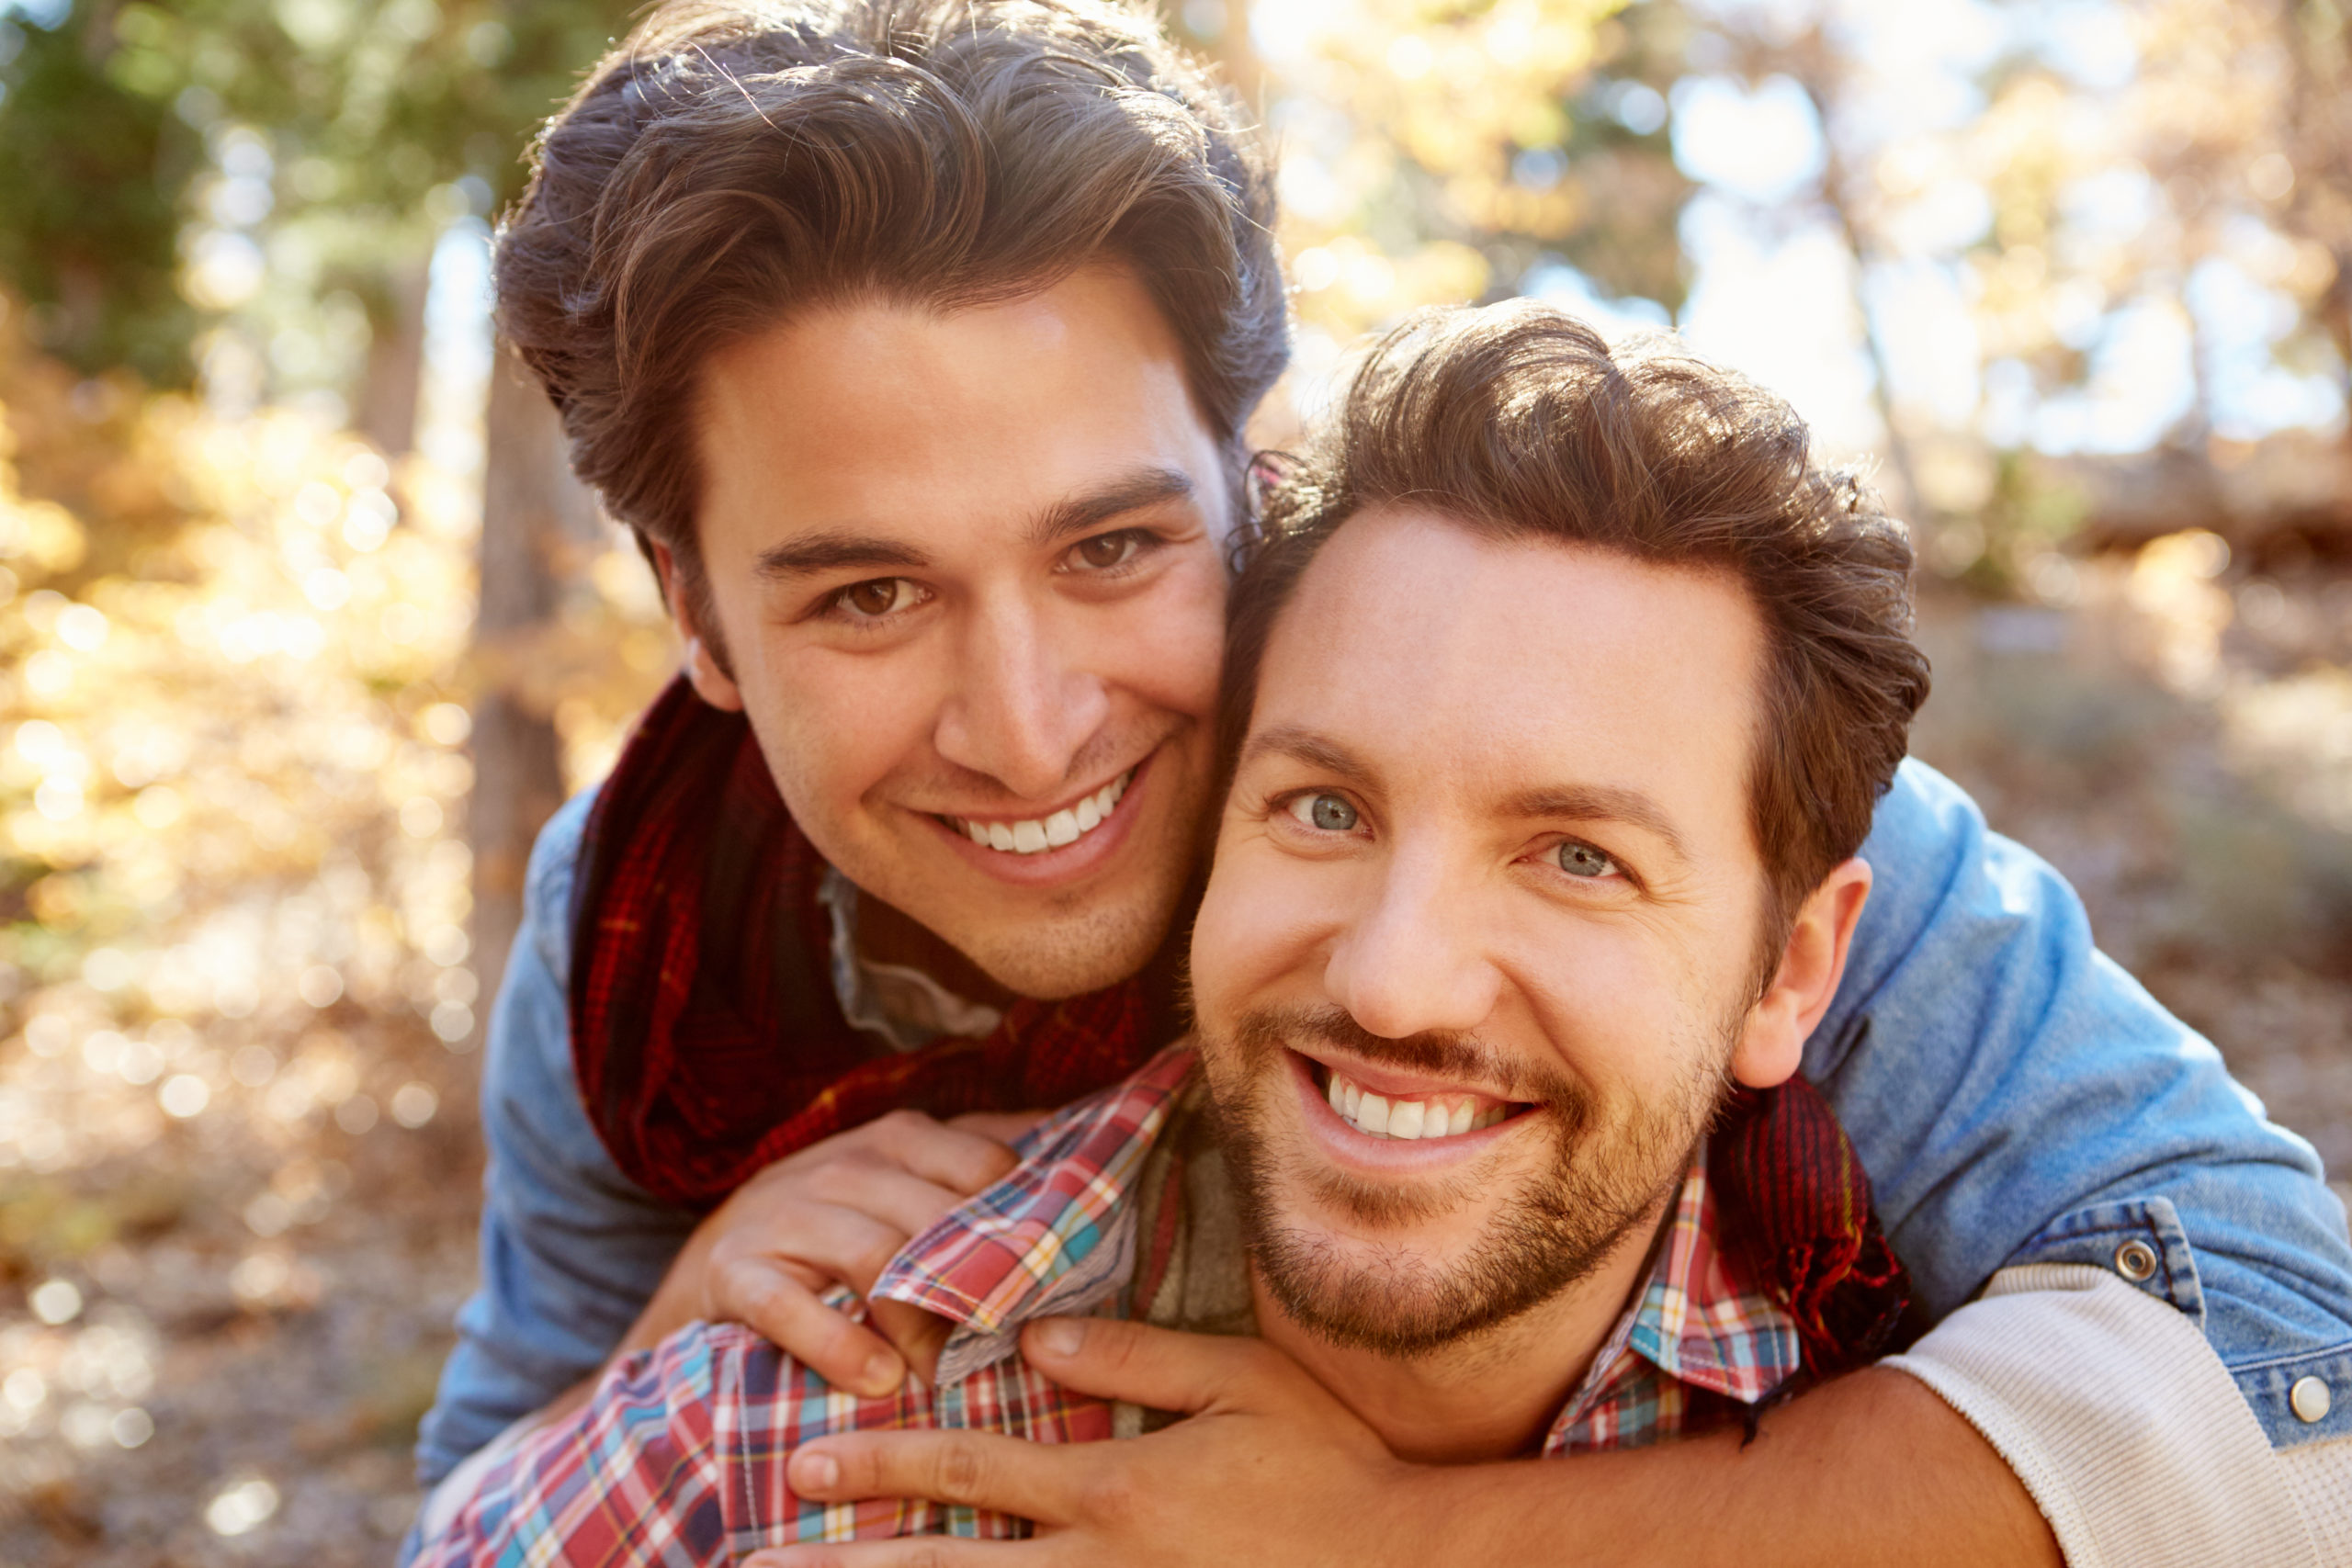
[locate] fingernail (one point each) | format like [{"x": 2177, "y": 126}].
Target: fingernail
[
  {"x": 1060, "y": 1336},
  {"x": 815, "y": 1473},
  {"x": 883, "y": 1372}
]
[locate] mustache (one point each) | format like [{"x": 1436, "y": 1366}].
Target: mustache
[{"x": 1261, "y": 1031}]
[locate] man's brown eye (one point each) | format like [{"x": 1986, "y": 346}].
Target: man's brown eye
[
  {"x": 878, "y": 597},
  {"x": 1106, "y": 550}
]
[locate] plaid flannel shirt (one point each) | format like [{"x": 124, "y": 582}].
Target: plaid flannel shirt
[{"x": 679, "y": 1460}]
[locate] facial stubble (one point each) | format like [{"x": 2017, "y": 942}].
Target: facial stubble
[{"x": 1605, "y": 1178}]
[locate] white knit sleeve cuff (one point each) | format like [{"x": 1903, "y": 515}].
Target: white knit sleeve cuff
[{"x": 2128, "y": 1430}]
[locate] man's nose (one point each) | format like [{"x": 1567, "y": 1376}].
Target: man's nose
[
  {"x": 1022, "y": 703},
  {"x": 1410, "y": 960}
]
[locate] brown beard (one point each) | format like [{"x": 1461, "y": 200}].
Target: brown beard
[{"x": 1602, "y": 1182}]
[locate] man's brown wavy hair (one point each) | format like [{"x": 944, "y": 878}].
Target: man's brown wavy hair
[
  {"x": 1520, "y": 421},
  {"x": 733, "y": 160}
]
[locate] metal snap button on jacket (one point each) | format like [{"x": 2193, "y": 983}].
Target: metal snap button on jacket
[
  {"x": 2309, "y": 1399},
  {"x": 2136, "y": 1261}
]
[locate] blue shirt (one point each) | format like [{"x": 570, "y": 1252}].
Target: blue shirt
[{"x": 2016, "y": 1097}]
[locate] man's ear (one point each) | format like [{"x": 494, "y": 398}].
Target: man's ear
[
  {"x": 1772, "y": 1039},
  {"x": 712, "y": 683}
]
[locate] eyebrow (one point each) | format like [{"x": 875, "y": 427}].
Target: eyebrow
[
  {"x": 1598, "y": 803},
  {"x": 1079, "y": 514},
  {"x": 839, "y": 550},
  {"x": 833, "y": 551},
  {"x": 1581, "y": 802},
  {"x": 1305, "y": 746}
]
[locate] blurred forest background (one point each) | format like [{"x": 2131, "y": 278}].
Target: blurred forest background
[{"x": 303, "y": 627}]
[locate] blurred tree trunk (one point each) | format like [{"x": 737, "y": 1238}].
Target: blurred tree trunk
[
  {"x": 1814, "y": 65},
  {"x": 395, "y": 373},
  {"x": 2318, "y": 39},
  {"x": 533, "y": 509}
]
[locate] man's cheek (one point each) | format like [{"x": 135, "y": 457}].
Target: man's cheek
[
  {"x": 1248, "y": 932},
  {"x": 1219, "y": 992},
  {"x": 1182, "y": 654},
  {"x": 1251, "y": 964},
  {"x": 827, "y": 764}
]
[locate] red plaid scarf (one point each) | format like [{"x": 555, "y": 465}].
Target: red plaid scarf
[
  {"x": 705, "y": 1028},
  {"x": 1795, "y": 1211},
  {"x": 709, "y": 1042}
]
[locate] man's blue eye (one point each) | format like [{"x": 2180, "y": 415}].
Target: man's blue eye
[
  {"x": 1327, "y": 813},
  {"x": 1583, "y": 860}
]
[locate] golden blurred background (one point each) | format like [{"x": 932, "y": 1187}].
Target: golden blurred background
[{"x": 304, "y": 629}]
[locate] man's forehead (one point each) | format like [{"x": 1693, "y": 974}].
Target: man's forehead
[
  {"x": 875, "y": 417},
  {"x": 1423, "y": 648}
]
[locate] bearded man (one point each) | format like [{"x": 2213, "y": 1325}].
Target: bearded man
[
  {"x": 1494, "y": 1135},
  {"x": 916, "y": 342}
]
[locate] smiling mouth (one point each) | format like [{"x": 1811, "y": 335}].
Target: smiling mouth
[
  {"x": 1422, "y": 1117},
  {"x": 1037, "y": 834}
]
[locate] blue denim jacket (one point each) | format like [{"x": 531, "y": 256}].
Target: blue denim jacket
[{"x": 2015, "y": 1096}]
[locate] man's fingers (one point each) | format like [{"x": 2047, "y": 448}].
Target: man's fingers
[
  {"x": 1002, "y": 1126},
  {"x": 848, "y": 1355},
  {"x": 1156, "y": 1366},
  {"x": 979, "y": 1469},
  {"x": 920, "y": 1336},
  {"x": 870, "y": 1186},
  {"x": 960, "y": 1157},
  {"x": 815, "y": 1241}
]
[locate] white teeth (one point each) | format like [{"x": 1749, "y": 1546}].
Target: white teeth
[
  {"x": 1381, "y": 1117},
  {"x": 1064, "y": 826}
]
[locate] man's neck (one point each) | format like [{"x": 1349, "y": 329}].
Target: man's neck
[{"x": 1491, "y": 1395}]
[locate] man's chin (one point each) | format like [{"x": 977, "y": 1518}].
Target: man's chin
[
  {"x": 1395, "y": 1300},
  {"x": 1089, "y": 962},
  {"x": 1041, "y": 942},
  {"x": 1061, "y": 936},
  {"x": 1066, "y": 952},
  {"x": 1397, "y": 1272},
  {"x": 1406, "y": 1270}
]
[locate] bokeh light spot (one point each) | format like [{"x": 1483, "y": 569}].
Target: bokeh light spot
[
  {"x": 56, "y": 1302},
  {"x": 241, "y": 1507},
  {"x": 184, "y": 1095},
  {"x": 414, "y": 1104}
]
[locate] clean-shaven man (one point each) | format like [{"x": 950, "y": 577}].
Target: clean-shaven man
[
  {"x": 916, "y": 342},
  {"x": 1495, "y": 1138}
]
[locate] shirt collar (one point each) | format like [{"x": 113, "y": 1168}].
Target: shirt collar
[
  {"x": 1054, "y": 1237},
  {"x": 901, "y": 1005},
  {"x": 1694, "y": 1320}
]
